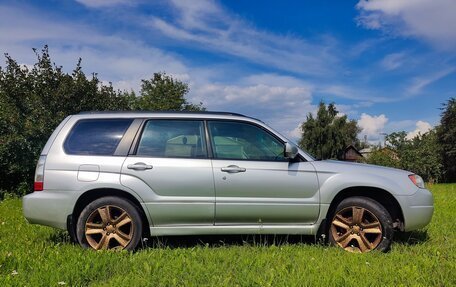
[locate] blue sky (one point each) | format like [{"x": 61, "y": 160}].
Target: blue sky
[{"x": 388, "y": 64}]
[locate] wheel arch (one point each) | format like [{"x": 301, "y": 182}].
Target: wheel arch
[
  {"x": 94, "y": 194},
  {"x": 382, "y": 196}
]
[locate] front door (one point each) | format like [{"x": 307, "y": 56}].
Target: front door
[
  {"x": 172, "y": 165},
  {"x": 254, "y": 182}
]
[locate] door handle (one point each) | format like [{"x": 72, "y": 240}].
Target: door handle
[
  {"x": 233, "y": 169},
  {"x": 139, "y": 166}
]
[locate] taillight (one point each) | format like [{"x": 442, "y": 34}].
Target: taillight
[
  {"x": 39, "y": 174},
  {"x": 38, "y": 186}
]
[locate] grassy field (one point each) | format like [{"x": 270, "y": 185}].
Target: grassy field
[{"x": 39, "y": 256}]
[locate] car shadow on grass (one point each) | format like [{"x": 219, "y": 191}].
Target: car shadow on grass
[
  {"x": 225, "y": 240},
  {"x": 172, "y": 242},
  {"x": 62, "y": 237},
  {"x": 411, "y": 238}
]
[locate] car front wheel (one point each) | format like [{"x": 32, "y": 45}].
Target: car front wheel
[{"x": 361, "y": 224}]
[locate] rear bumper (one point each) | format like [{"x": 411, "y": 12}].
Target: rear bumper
[
  {"x": 417, "y": 209},
  {"x": 49, "y": 208}
]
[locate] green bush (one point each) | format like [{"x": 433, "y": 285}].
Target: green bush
[
  {"x": 33, "y": 101},
  {"x": 420, "y": 155},
  {"x": 446, "y": 134}
]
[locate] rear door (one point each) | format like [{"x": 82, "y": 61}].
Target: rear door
[
  {"x": 87, "y": 155},
  {"x": 171, "y": 161}
]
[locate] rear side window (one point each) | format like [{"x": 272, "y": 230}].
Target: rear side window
[
  {"x": 96, "y": 137},
  {"x": 173, "y": 138}
]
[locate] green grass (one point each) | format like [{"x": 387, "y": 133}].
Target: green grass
[{"x": 32, "y": 255}]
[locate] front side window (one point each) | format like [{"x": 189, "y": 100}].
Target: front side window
[
  {"x": 243, "y": 141},
  {"x": 96, "y": 137},
  {"x": 173, "y": 138}
]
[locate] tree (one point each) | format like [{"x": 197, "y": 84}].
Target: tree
[
  {"x": 163, "y": 93},
  {"x": 424, "y": 157},
  {"x": 420, "y": 155},
  {"x": 446, "y": 134},
  {"x": 384, "y": 157},
  {"x": 33, "y": 101},
  {"x": 328, "y": 134}
]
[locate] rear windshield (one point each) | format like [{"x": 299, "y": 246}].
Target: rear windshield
[{"x": 96, "y": 137}]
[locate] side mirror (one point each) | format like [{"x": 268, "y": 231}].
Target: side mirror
[{"x": 291, "y": 151}]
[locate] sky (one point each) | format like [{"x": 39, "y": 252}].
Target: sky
[{"x": 389, "y": 64}]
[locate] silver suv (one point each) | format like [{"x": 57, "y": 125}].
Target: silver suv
[{"x": 112, "y": 178}]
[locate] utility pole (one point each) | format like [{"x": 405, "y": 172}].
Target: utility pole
[{"x": 384, "y": 139}]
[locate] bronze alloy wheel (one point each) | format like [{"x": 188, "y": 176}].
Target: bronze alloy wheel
[
  {"x": 109, "y": 227},
  {"x": 356, "y": 229}
]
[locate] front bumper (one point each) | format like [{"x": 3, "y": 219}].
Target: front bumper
[
  {"x": 417, "y": 209},
  {"x": 49, "y": 208}
]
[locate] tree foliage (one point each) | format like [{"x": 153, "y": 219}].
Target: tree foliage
[
  {"x": 33, "y": 101},
  {"x": 383, "y": 157},
  {"x": 446, "y": 134},
  {"x": 420, "y": 155},
  {"x": 163, "y": 93},
  {"x": 326, "y": 135}
]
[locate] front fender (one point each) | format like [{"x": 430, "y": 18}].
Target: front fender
[{"x": 332, "y": 184}]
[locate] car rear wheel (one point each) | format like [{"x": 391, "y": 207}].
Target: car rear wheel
[
  {"x": 109, "y": 223},
  {"x": 360, "y": 224}
]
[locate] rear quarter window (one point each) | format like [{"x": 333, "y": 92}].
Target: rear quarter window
[{"x": 96, "y": 137}]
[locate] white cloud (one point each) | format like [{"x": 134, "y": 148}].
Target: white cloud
[
  {"x": 255, "y": 95},
  {"x": 105, "y": 3},
  {"x": 284, "y": 108},
  {"x": 346, "y": 110},
  {"x": 419, "y": 83},
  {"x": 372, "y": 126},
  {"x": 206, "y": 25},
  {"x": 276, "y": 80},
  {"x": 115, "y": 58},
  {"x": 393, "y": 61},
  {"x": 281, "y": 101},
  {"x": 421, "y": 128},
  {"x": 432, "y": 21},
  {"x": 295, "y": 134},
  {"x": 349, "y": 92},
  {"x": 364, "y": 46}
]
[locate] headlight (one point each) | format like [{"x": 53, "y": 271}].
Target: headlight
[{"x": 417, "y": 180}]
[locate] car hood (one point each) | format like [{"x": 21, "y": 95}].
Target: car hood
[{"x": 344, "y": 166}]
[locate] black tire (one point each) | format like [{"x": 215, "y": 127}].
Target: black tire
[
  {"x": 368, "y": 217},
  {"x": 126, "y": 235}
]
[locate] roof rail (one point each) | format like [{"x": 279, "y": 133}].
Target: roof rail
[{"x": 163, "y": 112}]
